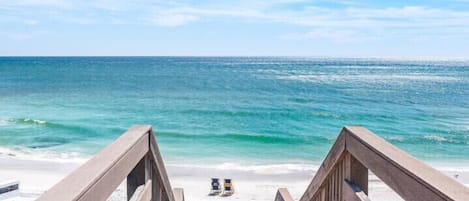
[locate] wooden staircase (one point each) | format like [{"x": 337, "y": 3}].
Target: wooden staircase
[
  {"x": 343, "y": 175},
  {"x": 134, "y": 156}
]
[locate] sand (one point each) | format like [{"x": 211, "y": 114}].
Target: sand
[{"x": 36, "y": 176}]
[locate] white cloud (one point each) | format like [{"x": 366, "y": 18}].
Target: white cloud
[
  {"x": 183, "y": 15},
  {"x": 410, "y": 16},
  {"x": 49, "y": 3},
  {"x": 172, "y": 19},
  {"x": 350, "y": 18},
  {"x": 342, "y": 24},
  {"x": 176, "y": 13}
]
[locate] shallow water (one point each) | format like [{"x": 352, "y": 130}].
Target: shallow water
[{"x": 232, "y": 111}]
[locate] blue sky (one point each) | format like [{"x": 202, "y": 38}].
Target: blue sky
[{"x": 337, "y": 28}]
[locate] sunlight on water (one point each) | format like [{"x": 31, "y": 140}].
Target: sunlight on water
[{"x": 221, "y": 110}]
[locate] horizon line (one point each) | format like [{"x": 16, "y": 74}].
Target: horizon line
[{"x": 265, "y": 56}]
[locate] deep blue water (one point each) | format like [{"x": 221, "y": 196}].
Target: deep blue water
[{"x": 221, "y": 109}]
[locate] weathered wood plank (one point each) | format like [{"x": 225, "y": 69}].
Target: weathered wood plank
[
  {"x": 142, "y": 193},
  {"x": 99, "y": 176},
  {"x": 410, "y": 178},
  {"x": 330, "y": 161},
  {"x": 178, "y": 194},
  {"x": 283, "y": 195},
  {"x": 137, "y": 192},
  {"x": 356, "y": 172},
  {"x": 156, "y": 191},
  {"x": 160, "y": 170},
  {"x": 114, "y": 176},
  {"x": 146, "y": 194},
  {"x": 352, "y": 192},
  {"x": 137, "y": 177}
]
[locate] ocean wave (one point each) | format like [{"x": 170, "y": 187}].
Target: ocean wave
[
  {"x": 34, "y": 121},
  {"x": 48, "y": 124},
  {"x": 450, "y": 166},
  {"x": 26, "y": 153},
  {"x": 28, "y": 121},
  {"x": 4, "y": 121},
  {"x": 426, "y": 139},
  {"x": 253, "y": 138},
  {"x": 23, "y": 121},
  {"x": 436, "y": 138},
  {"x": 263, "y": 169},
  {"x": 394, "y": 138}
]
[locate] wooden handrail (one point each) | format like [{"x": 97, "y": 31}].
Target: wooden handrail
[
  {"x": 343, "y": 175},
  {"x": 283, "y": 195},
  {"x": 358, "y": 150},
  {"x": 134, "y": 155}
]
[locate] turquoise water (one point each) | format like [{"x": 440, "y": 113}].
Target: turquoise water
[{"x": 208, "y": 110}]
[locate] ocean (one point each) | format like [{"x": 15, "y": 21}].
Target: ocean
[{"x": 233, "y": 112}]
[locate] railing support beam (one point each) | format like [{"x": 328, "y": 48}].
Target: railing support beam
[
  {"x": 134, "y": 155},
  {"x": 138, "y": 176},
  {"x": 356, "y": 172},
  {"x": 283, "y": 195},
  {"x": 352, "y": 192},
  {"x": 358, "y": 150}
]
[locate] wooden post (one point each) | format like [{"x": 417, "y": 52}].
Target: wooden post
[
  {"x": 356, "y": 172},
  {"x": 178, "y": 194},
  {"x": 137, "y": 176},
  {"x": 352, "y": 192},
  {"x": 156, "y": 189}
]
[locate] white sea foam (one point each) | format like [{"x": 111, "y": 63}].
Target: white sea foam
[
  {"x": 42, "y": 155},
  {"x": 75, "y": 157},
  {"x": 4, "y": 121},
  {"x": 35, "y": 121},
  {"x": 395, "y": 138},
  {"x": 454, "y": 166},
  {"x": 266, "y": 169},
  {"x": 436, "y": 138}
]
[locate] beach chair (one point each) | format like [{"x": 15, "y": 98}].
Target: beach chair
[
  {"x": 215, "y": 189},
  {"x": 228, "y": 188}
]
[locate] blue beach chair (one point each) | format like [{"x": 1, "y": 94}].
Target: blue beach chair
[{"x": 215, "y": 189}]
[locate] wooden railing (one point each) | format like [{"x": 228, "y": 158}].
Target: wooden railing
[
  {"x": 283, "y": 195},
  {"x": 343, "y": 175},
  {"x": 135, "y": 156}
]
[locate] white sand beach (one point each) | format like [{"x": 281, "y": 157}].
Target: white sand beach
[{"x": 36, "y": 176}]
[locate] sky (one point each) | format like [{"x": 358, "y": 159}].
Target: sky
[{"x": 336, "y": 28}]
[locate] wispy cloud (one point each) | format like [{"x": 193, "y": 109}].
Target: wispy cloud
[
  {"x": 36, "y": 3},
  {"x": 183, "y": 15},
  {"x": 172, "y": 19},
  {"x": 179, "y": 13},
  {"x": 22, "y": 36},
  {"x": 337, "y": 21}
]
